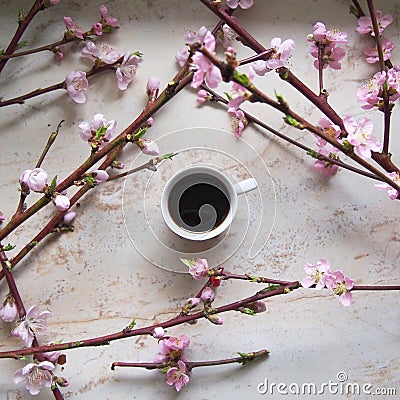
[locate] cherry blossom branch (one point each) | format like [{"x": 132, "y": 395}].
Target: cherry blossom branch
[
  {"x": 148, "y": 330},
  {"x": 242, "y": 359},
  {"x": 384, "y": 160},
  {"x": 48, "y": 47},
  {"x": 57, "y": 86},
  {"x": 296, "y": 120},
  {"x": 252, "y": 119},
  {"x": 23, "y": 23}
]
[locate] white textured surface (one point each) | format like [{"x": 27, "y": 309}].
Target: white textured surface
[{"x": 95, "y": 282}]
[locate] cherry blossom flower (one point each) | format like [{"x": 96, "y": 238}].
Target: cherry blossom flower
[
  {"x": 148, "y": 147},
  {"x": 199, "y": 269},
  {"x": 8, "y": 310},
  {"x": 372, "y": 52},
  {"x": 69, "y": 217},
  {"x": 329, "y": 128},
  {"x": 330, "y": 58},
  {"x": 241, "y": 3},
  {"x": 282, "y": 52},
  {"x": 327, "y": 37},
  {"x": 371, "y": 93},
  {"x": 107, "y": 19},
  {"x": 181, "y": 56},
  {"x": 392, "y": 193},
  {"x": 170, "y": 349},
  {"x": 34, "y": 323},
  {"x": 207, "y": 295},
  {"x": 360, "y": 136},
  {"x": 239, "y": 94},
  {"x": 191, "y": 37},
  {"x": 36, "y": 376},
  {"x": 77, "y": 85},
  {"x": 177, "y": 376},
  {"x": 73, "y": 28},
  {"x": 35, "y": 179},
  {"x": 365, "y": 23},
  {"x": 393, "y": 81},
  {"x": 61, "y": 202},
  {"x": 204, "y": 69},
  {"x": 325, "y": 167},
  {"x": 103, "y": 53},
  {"x": 239, "y": 122},
  {"x": 342, "y": 288},
  {"x": 98, "y": 132},
  {"x": 126, "y": 71},
  {"x": 317, "y": 274},
  {"x": 158, "y": 332},
  {"x": 226, "y": 35},
  {"x": 203, "y": 96}
]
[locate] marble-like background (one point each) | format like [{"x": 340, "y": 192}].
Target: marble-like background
[{"x": 95, "y": 281}]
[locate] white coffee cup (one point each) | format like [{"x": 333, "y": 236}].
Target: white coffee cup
[{"x": 200, "y": 202}]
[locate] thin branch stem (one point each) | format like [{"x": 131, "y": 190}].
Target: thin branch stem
[
  {"x": 246, "y": 357},
  {"x": 22, "y": 25},
  {"x": 49, "y": 143}
]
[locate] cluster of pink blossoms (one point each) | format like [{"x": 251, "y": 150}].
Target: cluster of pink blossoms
[
  {"x": 35, "y": 375},
  {"x": 327, "y": 42},
  {"x": 76, "y": 81},
  {"x": 365, "y": 27},
  {"x": 170, "y": 352},
  {"x": 321, "y": 276}
]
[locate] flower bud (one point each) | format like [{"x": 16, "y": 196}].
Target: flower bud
[
  {"x": 69, "y": 217},
  {"x": 258, "y": 306},
  {"x": 153, "y": 85},
  {"x": 61, "y": 202},
  {"x": 100, "y": 175},
  {"x": 148, "y": 147},
  {"x": 36, "y": 180},
  {"x": 158, "y": 332},
  {"x": 215, "y": 319},
  {"x": 207, "y": 295},
  {"x": 8, "y": 310},
  {"x": 192, "y": 302}
]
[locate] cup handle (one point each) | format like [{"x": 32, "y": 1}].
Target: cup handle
[{"x": 245, "y": 186}]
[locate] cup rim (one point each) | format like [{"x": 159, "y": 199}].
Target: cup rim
[{"x": 199, "y": 236}]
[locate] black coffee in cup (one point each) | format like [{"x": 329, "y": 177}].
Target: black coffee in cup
[
  {"x": 199, "y": 203},
  {"x": 203, "y": 204}
]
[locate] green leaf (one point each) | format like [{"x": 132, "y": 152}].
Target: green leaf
[
  {"x": 293, "y": 122},
  {"x": 101, "y": 132},
  {"x": 137, "y": 53},
  {"x": 247, "y": 311},
  {"x": 243, "y": 79},
  {"x": 141, "y": 132},
  {"x": 313, "y": 153},
  {"x": 8, "y": 247},
  {"x": 53, "y": 184},
  {"x": 228, "y": 95},
  {"x": 22, "y": 43},
  {"x": 188, "y": 262}
]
